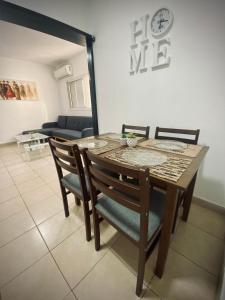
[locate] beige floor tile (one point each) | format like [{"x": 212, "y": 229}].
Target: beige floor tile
[
  {"x": 54, "y": 185},
  {"x": 19, "y": 254},
  {"x": 42, "y": 281},
  {"x": 25, "y": 177},
  {"x": 8, "y": 193},
  {"x": 19, "y": 168},
  {"x": 44, "y": 209},
  {"x": 150, "y": 295},
  {"x": 5, "y": 182},
  {"x": 39, "y": 163},
  {"x": 14, "y": 226},
  {"x": 109, "y": 279},
  {"x": 39, "y": 194},
  {"x": 207, "y": 220},
  {"x": 49, "y": 177},
  {"x": 29, "y": 185},
  {"x": 11, "y": 207},
  {"x": 200, "y": 247},
  {"x": 70, "y": 296},
  {"x": 183, "y": 280},
  {"x": 75, "y": 256},
  {"x": 128, "y": 254},
  {"x": 58, "y": 227},
  {"x": 14, "y": 159},
  {"x": 20, "y": 171},
  {"x": 108, "y": 234}
]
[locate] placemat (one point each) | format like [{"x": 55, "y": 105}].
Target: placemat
[
  {"x": 115, "y": 136},
  {"x": 171, "y": 170},
  {"x": 190, "y": 151},
  {"x": 111, "y": 145}
]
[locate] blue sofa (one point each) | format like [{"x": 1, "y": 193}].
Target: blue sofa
[{"x": 67, "y": 127}]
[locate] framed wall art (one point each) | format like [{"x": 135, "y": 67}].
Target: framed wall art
[{"x": 18, "y": 90}]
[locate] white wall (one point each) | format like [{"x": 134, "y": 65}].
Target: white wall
[
  {"x": 16, "y": 116},
  {"x": 80, "y": 67},
  {"x": 188, "y": 94}
]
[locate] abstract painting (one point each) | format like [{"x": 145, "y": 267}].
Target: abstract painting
[{"x": 18, "y": 90}]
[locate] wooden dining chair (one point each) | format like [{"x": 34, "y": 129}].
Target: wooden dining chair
[
  {"x": 179, "y": 135},
  {"x": 140, "y": 131},
  {"x": 68, "y": 158},
  {"x": 136, "y": 211}
]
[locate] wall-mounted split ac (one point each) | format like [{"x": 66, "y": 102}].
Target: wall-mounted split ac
[{"x": 63, "y": 72}]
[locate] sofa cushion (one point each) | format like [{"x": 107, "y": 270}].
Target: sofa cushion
[
  {"x": 67, "y": 134},
  {"x": 62, "y": 121},
  {"x": 78, "y": 123}
]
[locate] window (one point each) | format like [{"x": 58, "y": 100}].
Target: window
[{"x": 79, "y": 93}]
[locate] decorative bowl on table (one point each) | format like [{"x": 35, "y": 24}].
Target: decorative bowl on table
[
  {"x": 123, "y": 139},
  {"x": 131, "y": 139}
]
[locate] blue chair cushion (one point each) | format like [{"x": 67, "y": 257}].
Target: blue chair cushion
[
  {"x": 72, "y": 182},
  {"x": 129, "y": 221}
]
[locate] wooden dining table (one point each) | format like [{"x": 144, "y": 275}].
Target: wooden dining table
[{"x": 188, "y": 162}]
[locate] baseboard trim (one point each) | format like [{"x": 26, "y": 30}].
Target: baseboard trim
[{"x": 210, "y": 205}]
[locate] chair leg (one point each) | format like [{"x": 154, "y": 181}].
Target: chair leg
[
  {"x": 65, "y": 201},
  {"x": 96, "y": 222},
  {"x": 77, "y": 201},
  {"x": 176, "y": 215},
  {"x": 87, "y": 220},
  {"x": 141, "y": 272}
]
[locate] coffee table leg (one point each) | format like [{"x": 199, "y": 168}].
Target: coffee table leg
[
  {"x": 171, "y": 201},
  {"x": 188, "y": 198}
]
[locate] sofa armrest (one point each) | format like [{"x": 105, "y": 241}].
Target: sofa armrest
[
  {"x": 50, "y": 125},
  {"x": 87, "y": 132}
]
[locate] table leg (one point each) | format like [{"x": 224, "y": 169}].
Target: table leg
[
  {"x": 188, "y": 198},
  {"x": 171, "y": 202}
]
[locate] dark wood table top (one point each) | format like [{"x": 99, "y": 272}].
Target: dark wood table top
[{"x": 185, "y": 179}]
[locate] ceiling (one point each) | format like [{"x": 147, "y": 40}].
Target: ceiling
[{"x": 23, "y": 43}]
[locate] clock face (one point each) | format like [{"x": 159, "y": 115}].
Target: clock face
[{"x": 161, "y": 22}]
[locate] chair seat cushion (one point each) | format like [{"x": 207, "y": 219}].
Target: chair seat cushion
[
  {"x": 129, "y": 221},
  {"x": 72, "y": 182}
]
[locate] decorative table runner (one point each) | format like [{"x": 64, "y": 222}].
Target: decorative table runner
[
  {"x": 97, "y": 146},
  {"x": 172, "y": 147},
  {"x": 170, "y": 168},
  {"x": 115, "y": 136}
]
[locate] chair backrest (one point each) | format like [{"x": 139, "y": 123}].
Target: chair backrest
[
  {"x": 68, "y": 157},
  {"x": 132, "y": 196},
  {"x": 141, "y": 131},
  {"x": 178, "y": 135}
]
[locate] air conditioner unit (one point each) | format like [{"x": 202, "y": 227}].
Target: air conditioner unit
[{"x": 63, "y": 71}]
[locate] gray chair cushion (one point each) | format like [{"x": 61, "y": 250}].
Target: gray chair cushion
[
  {"x": 67, "y": 134},
  {"x": 62, "y": 121},
  {"x": 72, "y": 182},
  {"x": 129, "y": 221},
  {"x": 78, "y": 123}
]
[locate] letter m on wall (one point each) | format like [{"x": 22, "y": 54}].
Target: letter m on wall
[{"x": 137, "y": 60}]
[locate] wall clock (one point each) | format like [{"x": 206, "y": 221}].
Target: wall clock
[{"x": 161, "y": 22}]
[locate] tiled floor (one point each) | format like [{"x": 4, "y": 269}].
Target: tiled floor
[{"x": 44, "y": 255}]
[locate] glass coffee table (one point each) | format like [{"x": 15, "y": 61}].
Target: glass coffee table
[{"x": 31, "y": 144}]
